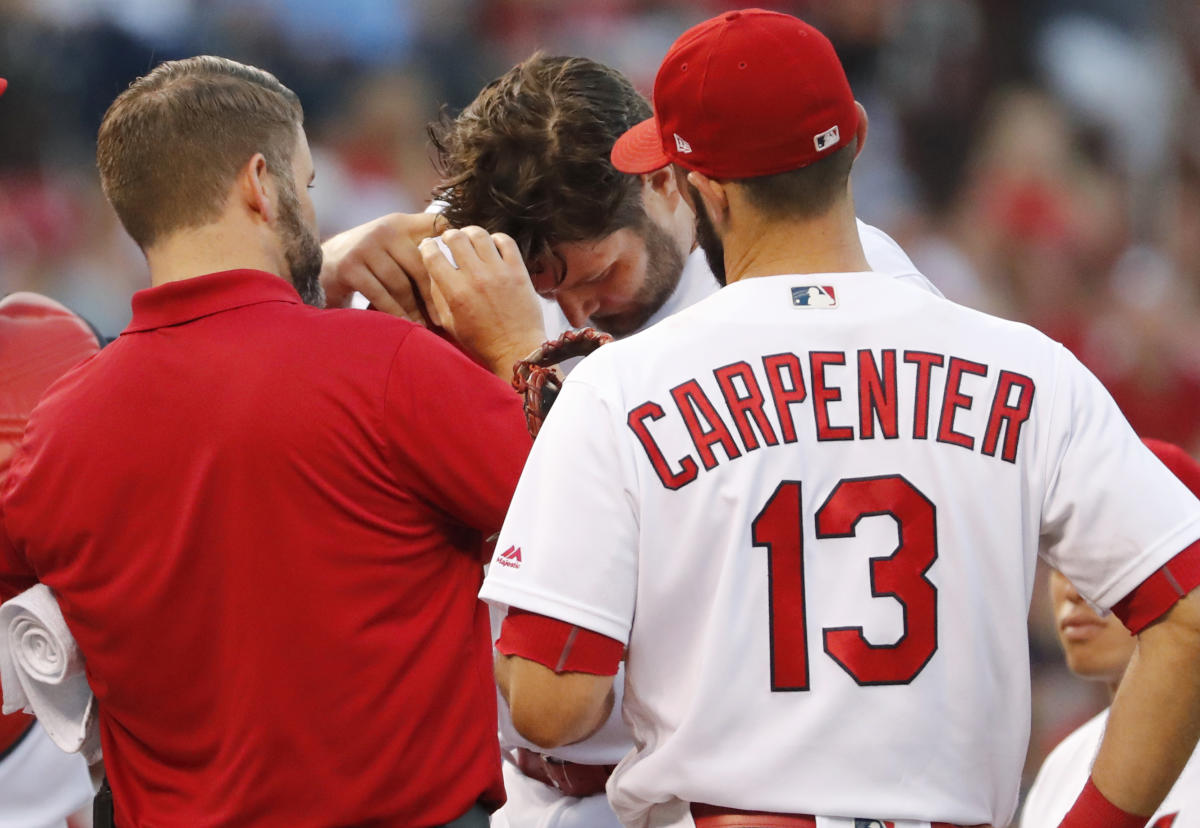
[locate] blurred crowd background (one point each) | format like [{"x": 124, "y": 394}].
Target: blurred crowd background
[{"x": 1039, "y": 159}]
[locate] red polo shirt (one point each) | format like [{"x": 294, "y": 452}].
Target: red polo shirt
[{"x": 263, "y": 522}]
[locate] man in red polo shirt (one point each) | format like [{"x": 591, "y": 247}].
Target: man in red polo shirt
[
  {"x": 263, "y": 521},
  {"x": 40, "y": 340}
]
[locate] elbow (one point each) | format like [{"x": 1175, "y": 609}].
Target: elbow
[
  {"x": 553, "y": 709},
  {"x": 544, "y": 726}
]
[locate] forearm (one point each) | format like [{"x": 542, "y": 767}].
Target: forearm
[{"x": 1155, "y": 719}]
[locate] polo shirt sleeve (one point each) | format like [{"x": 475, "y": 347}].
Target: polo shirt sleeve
[
  {"x": 456, "y": 432},
  {"x": 16, "y": 575},
  {"x": 569, "y": 546},
  {"x": 1113, "y": 514}
]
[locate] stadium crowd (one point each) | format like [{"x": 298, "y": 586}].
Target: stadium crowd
[{"x": 1038, "y": 159}]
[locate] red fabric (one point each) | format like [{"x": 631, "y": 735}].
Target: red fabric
[
  {"x": 39, "y": 341},
  {"x": 563, "y": 647},
  {"x": 1178, "y": 461},
  {"x": 725, "y": 100},
  {"x": 1158, "y": 593},
  {"x": 714, "y": 816},
  {"x": 263, "y": 522},
  {"x": 1093, "y": 810},
  {"x": 12, "y": 727}
]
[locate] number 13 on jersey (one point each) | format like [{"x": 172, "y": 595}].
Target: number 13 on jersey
[{"x": 779, "y": 527}]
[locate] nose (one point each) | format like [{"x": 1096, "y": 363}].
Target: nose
[{"x": 577, "y": 308}]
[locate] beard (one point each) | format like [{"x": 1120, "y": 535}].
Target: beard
[
  {"x": 664, "y": 267},
  {"x": 301, "y": 249},
  {"x": 707, "y": 238}
]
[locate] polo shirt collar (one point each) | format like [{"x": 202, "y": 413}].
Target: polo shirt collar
[{"x": 174, "y": 303}]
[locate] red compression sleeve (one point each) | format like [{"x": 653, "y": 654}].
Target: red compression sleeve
[
  {"x": 1093, "y": 810},
  {"x": 1150, "y": 600},
  {"x": 563, "y": 647}
]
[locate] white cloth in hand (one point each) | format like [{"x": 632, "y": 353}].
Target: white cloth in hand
[{"x": 42, "y": 672}]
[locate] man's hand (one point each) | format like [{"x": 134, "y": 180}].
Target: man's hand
[
  {"x": 381, "y": 261},
  {"x": 487, "y": 303}
]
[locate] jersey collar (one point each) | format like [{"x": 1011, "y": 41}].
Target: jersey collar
[{"x": 177, "y": 302}]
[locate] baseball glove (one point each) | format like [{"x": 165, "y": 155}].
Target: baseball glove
[{"x": 537, "y": 377}]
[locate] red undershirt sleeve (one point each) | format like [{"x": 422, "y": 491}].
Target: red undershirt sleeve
[
  {"x": 563, "y": 647},
  {"x": 1093, "y": 810},
  {"x": 1151, "y": 599}
]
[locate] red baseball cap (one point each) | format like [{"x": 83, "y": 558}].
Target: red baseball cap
[{"x": 745, "y": 94}]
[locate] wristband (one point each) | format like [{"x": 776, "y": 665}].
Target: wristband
[{"x": 1093, "y": 810}]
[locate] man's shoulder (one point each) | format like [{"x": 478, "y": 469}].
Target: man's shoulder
[{"x": 368, "y": 323}]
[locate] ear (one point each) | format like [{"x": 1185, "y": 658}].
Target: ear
[
  {"x": 861, "y": 132},
  {"x": 662, "y": 184},
  {"x": 714, "y": 194},
  {"x": 660, "y": 194},
  {"x": 255, "y": 188}
]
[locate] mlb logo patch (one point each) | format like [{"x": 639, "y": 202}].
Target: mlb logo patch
[
  {"x": 814, "y": 296},
  {"x": 873, "y": 823},
  {"x": 827, "y": 139}
]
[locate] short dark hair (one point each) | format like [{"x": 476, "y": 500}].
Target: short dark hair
[
  {"x": 805, "y": 192},
  {"x": 529, "y": 156},
  {"x": 172, "y": 143}
]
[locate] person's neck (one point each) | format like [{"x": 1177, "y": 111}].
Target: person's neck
[
  {"x": 765, "y": 247},
  {"x": 222, "y": 245}
]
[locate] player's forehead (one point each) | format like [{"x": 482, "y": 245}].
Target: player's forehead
[{"x": 577, "y": 262}]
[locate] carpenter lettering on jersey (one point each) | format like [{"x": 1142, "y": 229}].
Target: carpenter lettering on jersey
[{"x": 883, "y": 394}]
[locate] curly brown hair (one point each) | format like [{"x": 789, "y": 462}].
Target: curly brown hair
[{"x": 529, "y": 156}]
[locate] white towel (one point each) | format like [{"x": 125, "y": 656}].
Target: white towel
[{"x": 41, "y": 670}]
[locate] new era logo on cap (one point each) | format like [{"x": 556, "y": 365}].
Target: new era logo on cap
[
  {"x": 682, "y": 145},
  {"x": 828, "y": 138}
]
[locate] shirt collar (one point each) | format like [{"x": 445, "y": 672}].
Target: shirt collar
[{"x": 174, "y": 303}]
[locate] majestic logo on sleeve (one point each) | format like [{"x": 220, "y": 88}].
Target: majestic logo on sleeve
[
  {"x": 814, "y": 296},
  {"x": 510, "y": 557}
]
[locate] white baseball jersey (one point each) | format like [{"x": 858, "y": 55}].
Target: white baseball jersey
[
  {"x": 532, "y": 804},
  {"x": 811, "y": 506},
  {"x": 610, "y": 744},
  {"x": 1066, "y": 769}
]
